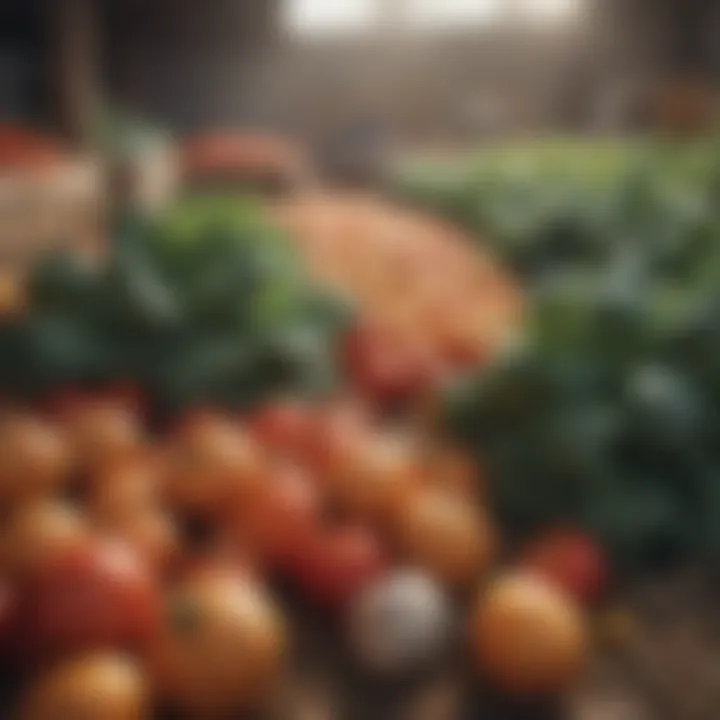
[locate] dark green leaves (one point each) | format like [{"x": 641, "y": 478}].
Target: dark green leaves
[
  {"x": 206, "y": 305},
  {"x": 608, "y": 418}
]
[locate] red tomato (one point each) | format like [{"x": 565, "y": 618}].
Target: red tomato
[
  {"x": 376, "y": 482},
  {"x": 37, "y": 532},
  {"x": 337, "y": 565},
  {"x": 446, "y": 535},
  {"x": 281, "y": 426},
  {"x": 101, "y": 596},
  {"x": 214, "y": 464},
  {"x": 388, "y": 368},
  {"x": 571, "y": 561},
  {"x": 373, "y": 365},
  {"x": 121, "y": 491},
  {"x": 335, "y": 437},
  {"x": 35, "y": 462},
  {"x": 64, "y": 402},
  {"x": 220, "y": 648},
  {"x": 224, "y": 557},
  {"x": 152, "y": 534},
  {"x": 282, "y": 517},
  {"x": 127, "y": 395},
  {"x": 103, "y": 433}
]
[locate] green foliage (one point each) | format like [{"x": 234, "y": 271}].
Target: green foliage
[
  {"x": 205, "y": 305},
  {"x": 607, "y": 416}
]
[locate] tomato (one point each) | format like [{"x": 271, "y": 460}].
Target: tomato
[
  {"x": 374, "y": 365},
  {"x": 35, "y": 459},
  {"x": 571, "y": 560},
  {"x": 104, "y": 433},
  {"x": 120, "y": 492},
  {"x": 337, "y": 565},
  {"x": 281, "y": 426},
  {"x": 450, "y": 470},
  {"x": 335, "y": 436},
  {"x": 527, "y": 637},
  {"x": 283, "y": 515},
  {"x": 377, "y": 480},
  {"x": 220, "y": 649},
  {"x": 37, "y": 532},
  {"x": 105, "y": 686},
  {"x": 61, "y": 404},
  {"x": 388, "y": 367},
  {"x": 96, "y": 597},
  {"x": 214, "y": 465},
  {"x": 449, "y": 537},
  {"x": 461, "y": 352},
  {"x": 152, "y": 534},
  {"x": 222, "y": 559},
  {"x": 127, "y": 395}
]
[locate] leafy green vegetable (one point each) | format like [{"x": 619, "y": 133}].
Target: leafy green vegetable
[
  {"x": 609, "y": 416},
  {"x": 208, "y": 304}
]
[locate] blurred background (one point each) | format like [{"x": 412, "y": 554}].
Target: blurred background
[
  {"x": 427, "y": 73},
  {"x": 360, "y": 85}
]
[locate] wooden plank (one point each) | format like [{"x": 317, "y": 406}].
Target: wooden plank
[{"x": 73, "y": 33}]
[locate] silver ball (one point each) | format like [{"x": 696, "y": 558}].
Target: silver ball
[{"x": 400, "y": 622}]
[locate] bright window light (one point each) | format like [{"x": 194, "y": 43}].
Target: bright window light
[
  {"x": 329, "y": 17},
  {"x": 549, "y": 10},
  {"x": 454, "y": 13}
]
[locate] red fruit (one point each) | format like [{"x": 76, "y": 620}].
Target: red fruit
[
  {"x": 282, "y": 518},
  {"x": 128, "y": 395},
  {"x": 103, "y": 433},
  {"x": 571, "y": 561},
  {"x": 222, "y": 561},
  {"x": 334, "y": 436},
  {"x": 193, "y": 420},
  {"x": 389, "y": 368},
  {"x": 338, "y": 565},
  {"x": 101, "y": 596},
  {"x": 423, "y": 373},
  {"x": 64, "y": 402},
  {"x": 214, "y": 464},
  {"x": 281, "y": 426},
  {"x": 371, "y": 363}
]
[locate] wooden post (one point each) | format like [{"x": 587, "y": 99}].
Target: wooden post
[{"x": 74, "y": 37}]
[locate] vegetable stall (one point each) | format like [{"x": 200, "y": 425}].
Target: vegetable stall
[{"x": 258, "y": 415}]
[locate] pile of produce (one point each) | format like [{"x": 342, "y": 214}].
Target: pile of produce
[
  {"x": 205, "y": 305},
  {"x": 139, "y": 559},
  {"x": 135, "y": 569},
  {"x": 604, "y": 414},
  {"x": 429, "y": 303}
]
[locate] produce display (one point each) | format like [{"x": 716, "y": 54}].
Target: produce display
[
  {"x": 200, "y": 437},
  {"x": 102, "y": 618},
  {"x": 602, "y": 415},
  {"x": 428, "y": 303}
]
